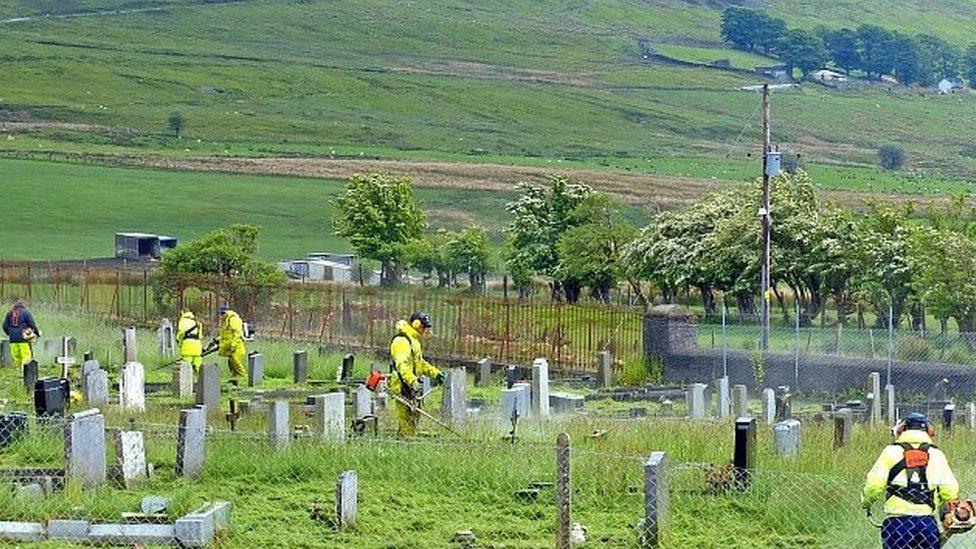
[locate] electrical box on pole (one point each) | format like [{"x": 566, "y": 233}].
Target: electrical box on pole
[{"x": 774, "y": 164}]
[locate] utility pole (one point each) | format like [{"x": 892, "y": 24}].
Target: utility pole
[{"x": 766, "y": 225}]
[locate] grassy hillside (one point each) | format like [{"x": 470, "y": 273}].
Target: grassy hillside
[{"x": 489, "y": 81}]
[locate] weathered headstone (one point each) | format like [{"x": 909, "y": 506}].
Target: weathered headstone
[
  {"x": 784, "y": 403},
  {"x": 70, "y": 346},
  {"x": 744, "y": 455},
  {"x": 329, "y": 416},
  {"x": 510, "y": 376},
  {"x": 191, "y": 442},
  {"x": 948, "y": 417},
  {"x": 255, "y": 369},
  {"x": 971, "y": 415},
  {"x": 131, "y": 452},
  {"x": 562, "y": 403},
  {"x": 843, "y": 427},
  {"x": 30, "y": 374},
  {"x": 96, "y": 387},
  {"x": 132, "y": 387},
  {"x": 525, "y": 400},
  {"x": 723, "y": 399},
  {"x": 88, "y": 367},
  {"x": 540, "y": 387},
  {"x": 564, "y": 492},
  {"x": 874, "y": 389},
  {"x": 604, "y": 374},
  {"x": 483, "y": 372},
  {"x": 300, "y": 366},
  {"x": 208, "y": 387},
  {"x": 364, "y": 402},
  {"x": 514, "y": 401},
  {"x": 740, "y": 401},
  {"x": 696, "y": 401},
  {"x": 346, "y": 499},
  {"x": 84, "y": 448},
  {"x": 891, "y": 411},
  {"x": 278, "y": 429},
  {"x": 165, "y": 339},
  {"x": 182, "y": 384},
  {"x": 6, "y": 357},
  {"x": 129, "y": 352},
  {"x": 769, "y": 406},
  {"x": 454, "y": 404},
  {"x": 348, "y": 365},
  {"x": 786, "y": 437},
  {"x": 656, "y": 523}
]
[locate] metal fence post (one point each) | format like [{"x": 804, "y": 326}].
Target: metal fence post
[
  {"x": 796, "y": 345},
  {"x": 891, "y": 339},
  {"x": 563, "y": 493},
  {"x": 725, "y": 340},
  {"x": 655, "y": 527}
]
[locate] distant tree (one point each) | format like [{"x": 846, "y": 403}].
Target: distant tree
[
  {"x": 379, "y": 216},
  {"x": 969, "y": 64},
  {"x": 876, "y": 50},
  {"x": 938, "y": 58},
  {"x": 771, "y": 30},
  {"x": 750, "y": 29},
  {"x": 906, "y": 62},
  {"x": 592, "y": 251},
  {"x": 891, "y": 157},
  {"x": 470, "y": 252},
  {"x": 175, "y": 124},
  {"x": 427, "y": 256},
  {"x": 843, "y": 47},
  {"x": 802, "y": 49}
]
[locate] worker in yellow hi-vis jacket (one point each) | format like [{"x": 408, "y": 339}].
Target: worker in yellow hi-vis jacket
[{"x": 408, "y": 366}]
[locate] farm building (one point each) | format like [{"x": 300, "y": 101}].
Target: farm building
[
  {"x": 949, "y": 85},
  {"x": 775, "y": 72},
  {"x": 142, "y": 245}
]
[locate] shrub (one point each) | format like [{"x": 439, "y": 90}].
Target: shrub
[
  {"x": 638, "y": 372},
  {"x": 790, "y": 162},
  {"x": 891, "y": 157},
  {"x": 913, "y": 348}
]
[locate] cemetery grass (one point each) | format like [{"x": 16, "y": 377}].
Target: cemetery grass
[
  {"x": 506, "y": 82},
  {"x": 420, "y": 493}
]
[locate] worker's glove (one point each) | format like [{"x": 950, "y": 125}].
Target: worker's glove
[
  {"x": 439, "y": 378},
  {"x": 417, "y": 388}
]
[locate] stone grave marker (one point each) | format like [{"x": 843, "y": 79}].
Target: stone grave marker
[
  {"x": 786, "y": 437},
  {"x": 348, "y": 365},
  {"x": 364, "y": 402},
  {"x": 724, "y": 404},
  {"x": 191, "y": 442},
  {"x": 874, "y": 387},
  {"x": 88, "y": 367},
  {"x": 96, "y": 388},
  {"x": 30, "y": 375},
  {"x": 132, "y": 387},
  {"x": 740, "y": 401},
  {"x": 129, "y": 350},
  {"x": 329, "y": 416},
  {"x": 784, "y": 403},
  {"x": 971, "y": 415},
  {"x": 604, "y": 374},
  {"x": 6, "y": 357},
  {"x": 278, "y": 430},
  {"x": 131, "y": 452},
  {"x": 696, "y": 401},
  {"x": 84, "y": 448},
  {"x": 255, "y": 369},
  {"x": 182, "y": 384},
  {"x": 347, "y": 499},
  {"x": 208, "y": 387},
  {"x": 843, "y": 427},
  {"x": 891, "y": 411},
  {"x": 769, "y": 406},
  {"x": 454, "y": 404},
  {"x": 510, "y": 376},
  {"x": 744, "y": 454},
  {"x": 562, "y": 403},
  {"x": 166, "y": 339},
  {"x": 540, "y": 387},
  {"x": 483, "y": 372},
  {"x": 300, "y": 366}
]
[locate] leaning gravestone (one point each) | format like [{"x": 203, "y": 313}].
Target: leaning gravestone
[
  {"x": 165, "y": 339},
  {"x": 132, "y": 387},
  {"x": 96, "y": 388},
  {"x": 131, "y": 452},
  {"x": 84, "y": 448},
  {"x": 182, "y": 383},
  {"x": 191, "y": 442},
  {"x": 208, "y": 387}
]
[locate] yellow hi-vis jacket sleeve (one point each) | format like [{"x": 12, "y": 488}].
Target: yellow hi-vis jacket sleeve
[
  {"x": 409, "y": 360},
  {"x": 939, "y": 476}
]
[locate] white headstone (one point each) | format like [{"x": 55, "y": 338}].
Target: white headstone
[
  {"x": 132, "y": 387},
  {"x": 540, "y": 387},
  {"x": 510, "y": 407},
  {"x": 84, "y": 445},
  {"x": 874, "y": 386},
  {"x": 182, "y": 385},
  {"x": 786, "y": 437},
  {"x": 769, "y": 405},
  {"x": 129, "y": 345},
  {"x": 347, "y": 499},
  {"x": 740, "y": 401},
  {"x": 454, "y": 406},
  {"x": 723, "y": 399},
  {"x": 278, "y": 429},
  {"x": 364, "y": 402},
  {"x": 524, "y": 401},
  {"x": 131, "y": 452},
  {"x": 255, "y": 369},
  {"x": 329, "y": 416},
  {"x": 96, "y": 387},
  {"x": 696, "y": 401},
  {"x": 166, "y": 339}
]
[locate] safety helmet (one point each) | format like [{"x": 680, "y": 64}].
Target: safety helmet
[
  {"x": 187, "y": 314},
  {"x": 222, "y": 308},
  {"x": 419, "y": 319},
  {"x": 915, "y": 421}
]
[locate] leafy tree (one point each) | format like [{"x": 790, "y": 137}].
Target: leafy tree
[
  {"x": 884, "y": 272},
  {"x": 540, "y": 216},
  {"x": 175, "y": 124},
  {"x": 802, "y": 49},
  {"x": 938, "y": 59},
  {"x": 592, "y": 251},
  {"x": 222, "y": 259},
  {"x": 969, "y": 64},
  {"x": 906, "y": 61},
  {"x": 877, "y": 46},
  {"x": 771, "y": 30},
  {"x": 891, "y": 157},
  {"x": 469, "y": 251},
  {"x": 944, "y": 263},
  {"x": 843, "y": 47},
  {"x": 749, "y": 29},
  {"x": 428, "y": 256},
  {"x": 379, "y": 216}
]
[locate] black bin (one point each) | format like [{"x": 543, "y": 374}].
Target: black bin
[
  {"x": 12, "y": 426},
  {"x": 51, "y": 396}
]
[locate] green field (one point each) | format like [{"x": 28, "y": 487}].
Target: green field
[{"x": 494, "y": 82}]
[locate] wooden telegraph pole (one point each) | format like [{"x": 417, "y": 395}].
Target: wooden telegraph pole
[{"x": 766, "y": 225}]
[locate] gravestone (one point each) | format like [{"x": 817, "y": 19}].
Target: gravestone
[
  {"x": 562, "y": 403},
  {"x": 96, "y": 388},
  {"x": 132, "y": 387},
  {"x": 454, "y": 403},
  {"x": 348, "y": 365},
  {"x": 129, "y": 345},
  {"x": 971, "y": 415},
  {"x": 784, "y": 406},
  {"x": 656, "y": 524},
  {"x": 278, "y": 429},
  {"x": 165, "y": 339},
  {"x": 769, "y": 406},
  {"x": 329, "y": 416},
  {"x": 131, "y": 452},
  {"x": 364, "y": 402},
  {"x": 510, "y": 376},
  {"x": 891, "y": 411},
  {"x": 208, "y": 387},
  {"x": 540, "y": 387},
  {"x": 723, "y": 399},
  {"x": 255, "y": 369},
  {"x": 514, "y": 401},
  {"x": 744, "y": 455},
  {"x": 88, "y": 367},
  {"x": 524, "y": 401},
  {"x": 948, "y": 417},
  {"x": 696, "y": 401},
  {"x": 843, "y": 427},
  {"x": 6, "y": 357},
  {"x": 604, "y": 374},
  {"x": 70, "y": 346},
  {"x": 29, "y": 375},
  {"x": 483, "y": 372},
  {"x": 84, "y": 448},
  {"x": 740, "y": 401},
  {"x": 346, "y": 499},
  {"x": 300, "y": 366},
  {"x": 874, "y": 389},
  {"x": 425, "y": 387},
  {"x": 182, "y": 384},
  {"x": 786, "y": 437},
  {"x": 191, "y": 442}
]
